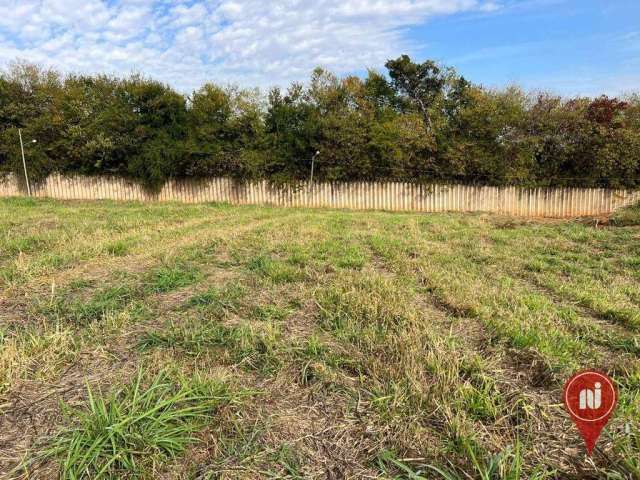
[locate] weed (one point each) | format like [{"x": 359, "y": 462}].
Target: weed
[
  {"x": 129, "y": 430},
  {"x": 387, "y": 461},
  {"x": 36, "y": 353}
]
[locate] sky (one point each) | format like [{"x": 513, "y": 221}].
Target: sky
[{"x": 569, "y": 47}]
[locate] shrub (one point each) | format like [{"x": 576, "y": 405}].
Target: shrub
[{"x": 424, "y": 122}]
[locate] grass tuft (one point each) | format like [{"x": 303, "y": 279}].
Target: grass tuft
[
  {"x": 119, "y": 248},
  {"x": 242, "y": 344},
  {"x": 276, "y": 271},
  {"x": 170, "y": 277},
  {"x": 218, "y": 301},
  {"x": 125, "y": 433}
]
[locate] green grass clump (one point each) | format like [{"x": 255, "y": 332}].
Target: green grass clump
[
  {"x": 243, "y": 344},
  {"x": 170, "y": 277},
  {"x": 24, "y": 244},
  {"x": 106, "y": 301},
  {"x": 127, "y": 432},
  {"x": 505, "y": 465},
  {"x": 626, "y": 217},
  {"x": 271, "y": 313},
  {"x": 218, "y": 300},
  {"x": 118, "y": 248},
  {"x": 276, "y": 271},
  {"x": 363, "y": 310}
]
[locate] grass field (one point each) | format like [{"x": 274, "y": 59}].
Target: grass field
[{"x": 211, "y": 341}]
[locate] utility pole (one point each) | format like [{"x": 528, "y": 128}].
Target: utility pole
[{"x": 24, "y": 163}]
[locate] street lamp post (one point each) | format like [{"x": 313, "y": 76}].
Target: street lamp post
[
  {"x": 313, "y": 161},
  {"x": 24, "y": 162}
]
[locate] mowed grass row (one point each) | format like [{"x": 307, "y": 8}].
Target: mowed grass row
[{"x": 247, "y": 342}]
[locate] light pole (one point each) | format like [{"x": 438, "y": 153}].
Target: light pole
[
  {"x": 24, "y": 162},
  {"x": 313, "y": 161}
]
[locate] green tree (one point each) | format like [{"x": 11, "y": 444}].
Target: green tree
[
  {"x": 31, "y": 100},
  {"x": 226, "y": 131},
  {"x": 421, "y": 83}
]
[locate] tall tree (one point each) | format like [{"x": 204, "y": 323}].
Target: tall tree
[{"x": 421, "y": 83}]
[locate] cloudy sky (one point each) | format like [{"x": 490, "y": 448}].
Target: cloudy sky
[{"x": 568, "y": 46}]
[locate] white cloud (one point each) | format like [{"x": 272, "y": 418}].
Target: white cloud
[
  {"x": 185, "y": 43},
  {"x": 182, "y": 15}
]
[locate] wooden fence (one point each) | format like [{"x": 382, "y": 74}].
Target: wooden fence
[{"x": 396, "y": 196}]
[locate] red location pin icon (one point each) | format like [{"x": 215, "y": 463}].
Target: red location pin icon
[{"x": 590, "y": 398}]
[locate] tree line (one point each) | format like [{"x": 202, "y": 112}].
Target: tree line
[{"x": 417, "y": 121}]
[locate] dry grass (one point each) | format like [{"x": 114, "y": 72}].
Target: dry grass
[{"x": 362, "y": 345}]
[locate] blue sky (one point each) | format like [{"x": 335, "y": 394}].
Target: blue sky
[{"x": 569, "y": 47}]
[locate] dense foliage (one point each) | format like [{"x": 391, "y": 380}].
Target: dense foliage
[{"x": 421, "y": 122}]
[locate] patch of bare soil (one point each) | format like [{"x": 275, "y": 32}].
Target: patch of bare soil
[{"x": 302, "y": 431}]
